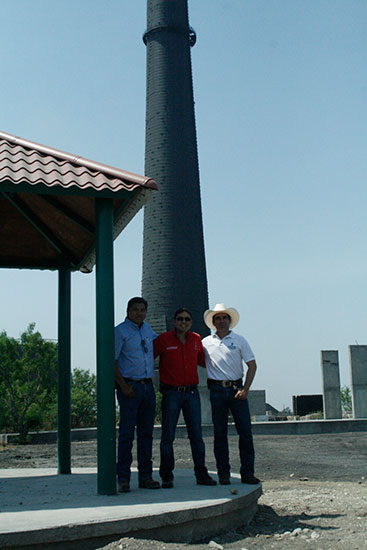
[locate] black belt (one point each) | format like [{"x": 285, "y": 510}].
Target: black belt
[
  {"x": 142, "y": 380},
  {"x": 225, "y": 383},
  {"x": 167, "y": 387}
]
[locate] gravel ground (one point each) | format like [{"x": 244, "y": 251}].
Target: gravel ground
[{"x": 315, "y": 491}]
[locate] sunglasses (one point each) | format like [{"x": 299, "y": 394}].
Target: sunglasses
[
  {"x": 187, "y": 319},
  {"x": 144, "y": 346}
]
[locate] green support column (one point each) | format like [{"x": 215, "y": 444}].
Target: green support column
[
  {"x": 64, "y": 364},
  {"x": 106, "y": 434}
]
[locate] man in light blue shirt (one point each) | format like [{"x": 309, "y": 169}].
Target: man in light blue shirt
[{"x": 134, "y": 367}]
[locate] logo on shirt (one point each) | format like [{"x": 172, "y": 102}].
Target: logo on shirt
[
  {"x": 172, "y": 347},
  {"x": 232, "y": 346}
]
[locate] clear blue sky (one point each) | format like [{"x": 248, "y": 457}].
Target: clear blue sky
[{"x": 280, "y": 89}]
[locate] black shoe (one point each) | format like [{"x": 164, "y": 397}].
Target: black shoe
[
  {"x": 167, "y": 483},
  {"x": 205, "y": 480},
  {"x": 149, "y": 484},
  {"x": 224, "y": 481},
  {"x": 250, "y": 480},
  {"x": 124, "y": 486}
]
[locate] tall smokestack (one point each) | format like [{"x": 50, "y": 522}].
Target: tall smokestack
[{"x": 174, "y": 271}]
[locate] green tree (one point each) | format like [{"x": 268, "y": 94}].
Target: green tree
[
  {"x": 28, "y": 380},
  {"x": 285, "y": 412},
  {"x": 83, "y": 399},
  {"x": 346, "y": 398}
]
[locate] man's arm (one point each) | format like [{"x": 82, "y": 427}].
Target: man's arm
[
  {"x": 250, "y": 375},
  {"x": 126, "y": 389},
  {"x": 156, "y": 346},
  {"x": 201, "y": 356}
]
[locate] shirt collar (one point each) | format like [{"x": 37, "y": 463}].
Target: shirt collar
[
  {"x": 133, "y": 325},
  {"x": 175, "y": 335},
  {"x": 229, "y": 335}
]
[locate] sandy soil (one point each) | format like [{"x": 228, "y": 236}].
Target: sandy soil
[{"x": 315, "y": 491}]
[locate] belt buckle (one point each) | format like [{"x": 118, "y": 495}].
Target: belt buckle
[
  {"x": 181, "y": 388},
  {"x": 227, "y": 383}
]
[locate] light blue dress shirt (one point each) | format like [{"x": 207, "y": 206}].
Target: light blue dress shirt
[{"x": 134, "y": 350}]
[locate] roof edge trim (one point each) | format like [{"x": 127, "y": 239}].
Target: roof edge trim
[{"x": 144, "y": 181}]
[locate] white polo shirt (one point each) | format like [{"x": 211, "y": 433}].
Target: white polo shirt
[{"x": 224, "y": 357}]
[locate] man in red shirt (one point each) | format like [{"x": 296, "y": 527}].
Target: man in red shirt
[{"x": 180, "y": 351}]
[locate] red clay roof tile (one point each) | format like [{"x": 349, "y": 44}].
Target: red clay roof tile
[
  {"x": 26, "y": 161},
  {"x": 55, "y": 224}
]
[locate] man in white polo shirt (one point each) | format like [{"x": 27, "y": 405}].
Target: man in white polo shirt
[{"x": 225, "y": 355}]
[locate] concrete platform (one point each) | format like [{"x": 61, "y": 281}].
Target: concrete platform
[{"x": 40, "y": 509}]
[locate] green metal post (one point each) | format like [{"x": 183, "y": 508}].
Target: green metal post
[
  {"x": 106, "y": 434},
  {"x": 64, "y": 363}
]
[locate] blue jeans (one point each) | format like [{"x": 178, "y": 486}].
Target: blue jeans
[
  {"x": 222, "y": 401},
  {"x": 172, "y": 403},
  {"x": 136, "y": 411}
]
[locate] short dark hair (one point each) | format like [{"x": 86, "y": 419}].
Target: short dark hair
[
  {"x": 221, "y": 313},
  {"x": 136, "y": 300},
  {"x": 181, "y": 310}
]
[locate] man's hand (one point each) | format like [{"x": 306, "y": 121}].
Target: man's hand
[
  {"x": 241, "y": 394},
  {"x": 250, "y": 375},
  {"x": 126, "y": 389}
]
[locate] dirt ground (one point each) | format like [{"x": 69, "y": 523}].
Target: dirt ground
[{"x": 315, "y": 491}]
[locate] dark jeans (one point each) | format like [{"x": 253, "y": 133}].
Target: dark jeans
[
  {"x": 172, "y": 403},
  {"x": 222, "y": 401},
  {"x": 136, "y": 411}
]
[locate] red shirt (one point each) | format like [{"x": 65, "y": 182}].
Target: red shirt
[{"x": 178, "y": 362}]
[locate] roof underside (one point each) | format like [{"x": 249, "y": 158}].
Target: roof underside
[{"x": 47, "y": 204}]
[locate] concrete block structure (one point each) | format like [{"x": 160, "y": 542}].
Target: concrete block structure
[
  {"x": 256, "y": 402},
  {"x": 358, "y": 377},
  {"x": 306, "y": 404},
  {"x": 331, "y": 384}
]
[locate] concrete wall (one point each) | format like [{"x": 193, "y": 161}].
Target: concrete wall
[
  {"x": 206, "y": 409},
  {"x": 256, "y": 402},
  {"x": 300, "y": 427},
  {"x": 358, "y": 377},
  {"x": 331, "y": 384}
]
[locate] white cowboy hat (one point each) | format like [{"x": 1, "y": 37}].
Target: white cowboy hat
[{"x": 221, "y": 308}]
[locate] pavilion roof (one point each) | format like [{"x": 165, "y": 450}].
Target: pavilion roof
[{"x": 47, "y": 204}]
